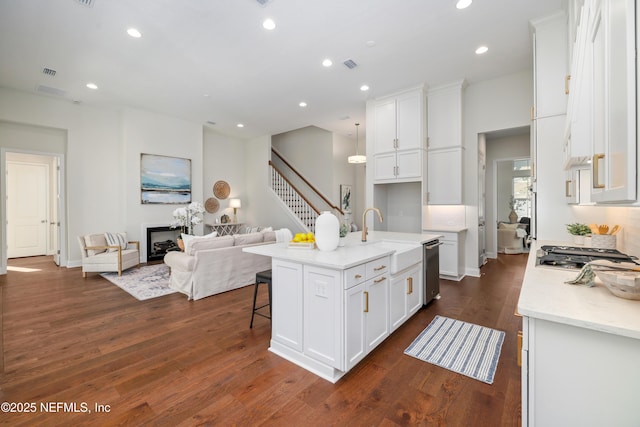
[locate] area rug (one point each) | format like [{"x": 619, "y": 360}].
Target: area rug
[
  {"x": 146, "y": 282},
  {"x": 461, "y": 347}
]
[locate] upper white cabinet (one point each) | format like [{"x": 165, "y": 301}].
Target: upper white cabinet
[
  {"x": 601, "y": 114},
  {"x": 399, "y": 123},
  {"x": 550, "y": 66},
  {"x": 445, "y": 149},
  {"x": 612, "y": 44}
]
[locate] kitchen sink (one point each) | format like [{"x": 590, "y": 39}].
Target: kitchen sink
[{"x": 405, "y": 255}]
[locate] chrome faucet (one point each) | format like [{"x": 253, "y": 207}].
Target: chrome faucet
[{"x": 364, "y": 224}]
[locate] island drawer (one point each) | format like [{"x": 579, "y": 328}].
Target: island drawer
[
  {"x": 377, "y": 267},
  {"x": 355, "y": 275}
]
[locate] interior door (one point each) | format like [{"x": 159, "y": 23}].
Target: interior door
[{"x": 27, "y": 209}]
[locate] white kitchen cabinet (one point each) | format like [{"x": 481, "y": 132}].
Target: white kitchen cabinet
[
  {"x": 445, "y": 115},
  {"x": 322, "y": 314},
  {"x": 367, "y": 312},
  {"x": 398, "y": 165},
  {"x": 445, "y": 175},
  {"x": 399, "y": 123},
  {"x": 451, "y": 252},
  {"x": 612, "y": 46},
  {"x": 286, "y": 326},
  {"x": 574, "y": 376},
  {"x": 405, "y": 296},
  {"x": 445, "y": 150},
  {"x": 550, "y": 65}
]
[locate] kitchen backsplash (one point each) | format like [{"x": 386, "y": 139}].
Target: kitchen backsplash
[{"x": 629, "y": 219}]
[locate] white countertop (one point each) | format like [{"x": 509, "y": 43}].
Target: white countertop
[
  {"x": 447, "y": 228},
  {"x": 544, "y": 295},
  {"x": 353, "y": 253}
]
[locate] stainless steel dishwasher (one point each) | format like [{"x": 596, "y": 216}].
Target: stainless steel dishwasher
[{"x": 431, "y": 265}]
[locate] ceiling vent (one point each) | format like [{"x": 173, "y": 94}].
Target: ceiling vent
[
  {"x": 48, "y": 72},
  {"x": 87, "y": 3},
  {"x": 350, "y": 64},
  {"x": 51, "y": 90},
  {"x": 263, "y": 3}
]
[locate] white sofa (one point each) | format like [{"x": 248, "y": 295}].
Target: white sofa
[{"x": 211, "y": 265}]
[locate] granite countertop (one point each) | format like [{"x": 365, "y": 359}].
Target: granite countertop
[
  {"x": 353, "y": 253},
  {"x": 544, "y": 295}
]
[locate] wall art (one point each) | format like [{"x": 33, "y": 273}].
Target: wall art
[{"x": 165, "y": 180}]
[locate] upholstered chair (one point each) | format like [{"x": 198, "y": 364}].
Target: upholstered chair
[{"x": 100, "y": 256}]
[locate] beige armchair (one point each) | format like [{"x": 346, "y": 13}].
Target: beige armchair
[
  {"x": 511, "y": 238},
  {"x": 98, "y": 256}
]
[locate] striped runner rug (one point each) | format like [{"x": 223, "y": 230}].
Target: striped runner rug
[{"x": 461, "y": 347}]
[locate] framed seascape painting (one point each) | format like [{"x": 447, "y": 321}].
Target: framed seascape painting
[
  {"x": 345, "y": 198},
  {"x": 165, "y": 180}
]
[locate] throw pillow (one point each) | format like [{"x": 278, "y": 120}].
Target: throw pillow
[
  {"x": 116, "y": 239},
  {"x": 186, "y": 239},
  {"x": 95, "y": 240}
]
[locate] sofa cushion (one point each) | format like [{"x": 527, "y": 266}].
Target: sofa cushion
[
  {"x": 203, "y": 243},
  {"x": 188, "y": 238},
  {"x": 269, "y": 236},
  {"x": 247, "y": 239},
  {"x": 95, "y": 240},
  {"x": 507, "y": 226}
]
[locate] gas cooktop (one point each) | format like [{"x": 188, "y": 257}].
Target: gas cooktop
[{"x": 572, "y": 257}]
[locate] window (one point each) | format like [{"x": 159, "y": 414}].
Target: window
[{"x": 521, "y": 196}]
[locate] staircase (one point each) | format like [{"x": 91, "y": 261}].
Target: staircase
[{"x": 302, "y": 199}]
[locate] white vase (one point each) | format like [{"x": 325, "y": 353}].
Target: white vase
[
  {"x": 327, "y": 231},
  {"x": 578, "y": 240},
  {"x": 341, "y": 242}
]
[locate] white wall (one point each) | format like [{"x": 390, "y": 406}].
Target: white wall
[
  {"x": 502, "y": 103},
  {"x": 92, "y": 156},
  {"x": 224, "y": 160}
]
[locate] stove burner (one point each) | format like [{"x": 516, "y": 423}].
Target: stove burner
[{"x": 570, "y": 257}]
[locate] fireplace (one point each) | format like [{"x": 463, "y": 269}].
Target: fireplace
[{"x": 161, "y": 240}]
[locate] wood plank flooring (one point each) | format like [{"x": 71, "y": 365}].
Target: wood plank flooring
[{"x": 168, "y": 361}]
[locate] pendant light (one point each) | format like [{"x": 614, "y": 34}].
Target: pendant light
[{"x": 357, "y": 158}]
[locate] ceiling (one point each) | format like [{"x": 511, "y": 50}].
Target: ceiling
[{"x": 212, "y": 61}]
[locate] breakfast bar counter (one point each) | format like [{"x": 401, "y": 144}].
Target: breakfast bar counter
[{"x": 580, "y": 350}]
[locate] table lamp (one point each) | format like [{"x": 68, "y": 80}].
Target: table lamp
[{"x": 235, "y": 204}]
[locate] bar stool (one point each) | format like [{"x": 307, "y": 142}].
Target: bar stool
[{"x": 262, "y": 277}]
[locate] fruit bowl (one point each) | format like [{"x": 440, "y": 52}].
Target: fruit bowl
[{"x": 623, "y": 284}]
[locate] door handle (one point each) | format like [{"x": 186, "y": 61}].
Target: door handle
[{"x": 44, "y": 221}]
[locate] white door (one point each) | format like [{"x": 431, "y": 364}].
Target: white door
[{"x": 27, "y": 209}]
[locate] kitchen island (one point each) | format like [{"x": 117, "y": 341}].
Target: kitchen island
[
  {"x": 580, "y": 351},
  {"x": 330, "y": 309}
]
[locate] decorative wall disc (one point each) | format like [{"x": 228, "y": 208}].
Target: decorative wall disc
[
  {"x": 211, "y": 205},
  {"x": 221, "y": 190}
]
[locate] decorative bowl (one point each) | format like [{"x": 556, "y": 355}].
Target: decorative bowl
[{"x": 623, "y": 284}]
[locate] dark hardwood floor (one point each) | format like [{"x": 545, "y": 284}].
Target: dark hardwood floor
[{"x": 168, "y": 361}]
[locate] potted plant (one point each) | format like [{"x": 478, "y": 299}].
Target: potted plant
[
  {"x": 344, "y": 229},
  {"x": 578, "y": 231},
  {"x": 513, "y": 216},
  {"x": 185, "y": 218}
]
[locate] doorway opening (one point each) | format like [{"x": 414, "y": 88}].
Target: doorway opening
[{"x": 502, "y": 149}]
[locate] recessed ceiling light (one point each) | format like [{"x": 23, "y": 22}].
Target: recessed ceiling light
[
  {"x": 462, "y": 4},
  {"x": 269, "y": 24},
  {"x": 327, "y": 62},
  {"x": 240, "y": 125},
  {"x": 133, "y": 32},
  {"x": 92, "y": 86},
  {"x": 364, "y": 88},
  {"x": 481, "y": 50},
  {"x": 303, "y": 104}
]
